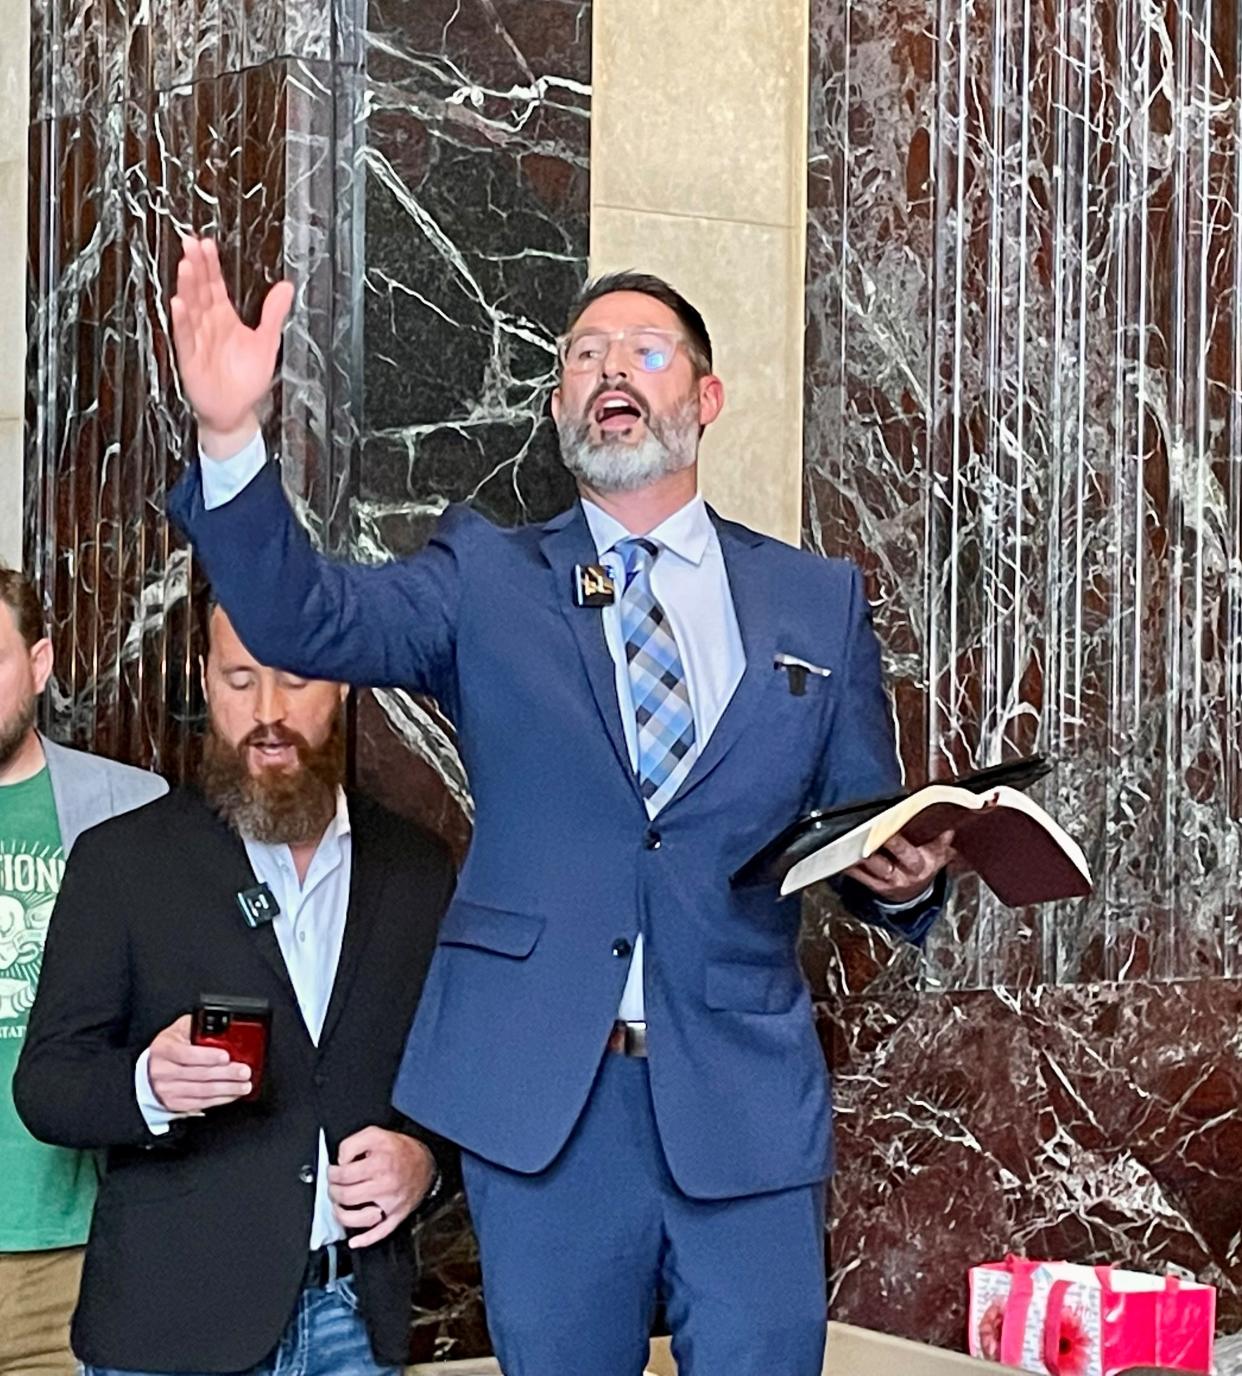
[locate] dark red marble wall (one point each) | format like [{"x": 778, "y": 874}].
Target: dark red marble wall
[{"x": 1023, "y": 418}]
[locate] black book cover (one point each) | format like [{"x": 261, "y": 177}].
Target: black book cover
[{"x": 805, "y": 836}]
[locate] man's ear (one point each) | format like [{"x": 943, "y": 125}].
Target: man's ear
[
  {"x": 556, "y": 404},
  {"x": 41, "y": 660},
  {"x": 711, "y": 398}
]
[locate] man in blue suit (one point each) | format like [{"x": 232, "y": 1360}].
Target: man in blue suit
[{"x": 621, "y": 1043}]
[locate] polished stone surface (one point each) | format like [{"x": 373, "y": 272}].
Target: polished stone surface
[
  {"x": 1023, "y": 352},
  {"x": 419, "y": 171}
]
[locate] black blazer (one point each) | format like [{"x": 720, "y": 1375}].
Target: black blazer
[{"x": 199, "y": 1240}]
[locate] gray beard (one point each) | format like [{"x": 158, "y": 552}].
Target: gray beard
[{"x": 613, "y": 466}]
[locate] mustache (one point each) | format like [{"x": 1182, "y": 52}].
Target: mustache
[{"x": 273, "y": 735}]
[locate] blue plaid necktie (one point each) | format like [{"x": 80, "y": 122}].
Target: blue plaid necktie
[{"x": 662, "y": 711}]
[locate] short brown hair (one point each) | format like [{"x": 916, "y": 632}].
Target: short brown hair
[
  {"x": 659, "y": 290},
  {"x": 18, "y": 595}
]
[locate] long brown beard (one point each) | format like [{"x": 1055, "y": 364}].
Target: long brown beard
[{"x": 276, "y": 806}]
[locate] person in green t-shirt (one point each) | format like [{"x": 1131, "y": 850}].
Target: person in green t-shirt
[{"x": 48, "y": 796}]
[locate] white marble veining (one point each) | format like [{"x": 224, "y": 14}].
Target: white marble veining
[{"x": 1024, "y": 415}]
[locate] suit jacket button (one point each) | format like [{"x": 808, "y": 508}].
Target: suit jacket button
[
  {"x": 652, "y": 840},
  {"x": 307, "y": 1175},
  {"x": 621, "y": 948},
  {"x": 319, "y": 1079}
]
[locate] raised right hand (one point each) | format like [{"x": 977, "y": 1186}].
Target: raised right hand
[
  {"x": 226, "y": 368},
  {"x": 188, "y": 1078}
]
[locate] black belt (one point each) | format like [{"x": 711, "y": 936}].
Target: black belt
[{"x": 327, "y": 1264}]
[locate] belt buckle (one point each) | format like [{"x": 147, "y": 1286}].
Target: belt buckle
[{"x": 628, "y": 1038}]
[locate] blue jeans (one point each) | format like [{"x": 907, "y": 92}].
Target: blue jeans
[{"x": 325, "y": 1336}]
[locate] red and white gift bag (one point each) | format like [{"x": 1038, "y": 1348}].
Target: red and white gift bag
[{"x": 1063, "y": 1320}]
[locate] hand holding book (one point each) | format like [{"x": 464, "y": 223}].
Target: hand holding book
[
  {"x": 1018, "y": 850},
  {"x": 900, "y": 871}
]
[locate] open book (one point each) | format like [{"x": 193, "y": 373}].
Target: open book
[{"x": 1014, "y": 846}]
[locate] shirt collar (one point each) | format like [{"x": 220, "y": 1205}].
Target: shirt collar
[
  {"x": 340, "y": 825},
  {"x": 687, "y": 532}
]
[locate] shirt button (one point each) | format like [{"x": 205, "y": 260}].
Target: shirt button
[
  {"x": 307, "y": 1175},
  {"x": 301, "y": 936},
  {"x": 652, "y": 840},
  {"x": 621, "y": 948}
]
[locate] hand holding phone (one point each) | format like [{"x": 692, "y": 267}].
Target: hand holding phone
[
  {"x": 191, "y": 1079},
  {"x": 237, "y": 1026}
]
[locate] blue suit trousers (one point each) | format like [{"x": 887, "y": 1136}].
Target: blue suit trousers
[{"x": 576, "y": 1256}]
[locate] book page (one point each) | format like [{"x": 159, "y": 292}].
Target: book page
[{"x": 1019, "y": 851}]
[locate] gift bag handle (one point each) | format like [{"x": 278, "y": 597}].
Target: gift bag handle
[
  {"x": 1052, "y": 1326},
  {"x": 1056, "y": 1310},
  {"x": 1104, "y": 1274}
]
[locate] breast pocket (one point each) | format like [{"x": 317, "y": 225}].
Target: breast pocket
[
  {"x": 798, "y": 698},
  {"x": 794, "y": 727}
]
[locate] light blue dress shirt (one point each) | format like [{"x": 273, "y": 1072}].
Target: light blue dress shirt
[{"x": 691, "y": 583}]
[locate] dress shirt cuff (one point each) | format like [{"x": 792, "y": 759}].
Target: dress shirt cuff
[
  {"x": 223, "y": 479},
  {"x": 896, "y": 909},
  {"x": 158, "y": 1117}
]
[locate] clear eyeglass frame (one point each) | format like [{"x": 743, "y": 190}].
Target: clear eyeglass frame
[{"x": 647, "y": 348}]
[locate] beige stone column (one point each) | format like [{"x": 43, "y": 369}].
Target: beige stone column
[
  {"x": 698, "y": 173},
  {"x": 14, "y": 126}
]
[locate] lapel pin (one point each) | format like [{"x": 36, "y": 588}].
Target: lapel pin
[{"x": 592, "y": 586}]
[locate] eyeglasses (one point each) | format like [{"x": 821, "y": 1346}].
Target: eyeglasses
[{"x": 645, "y": 350}]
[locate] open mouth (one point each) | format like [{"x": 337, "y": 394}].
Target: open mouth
[
  {"x": 616, "y": 411},
  {"x": 275, "y": 753}
]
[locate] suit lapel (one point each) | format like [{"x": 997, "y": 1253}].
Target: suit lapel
[
  {"x": 567, "y": 541},
  {"x": 755, "y": 604},
  {"x": 235, "y": 875},
  {"x": 367, "y": 876},
  {"x": 221, "y": 860},
  {"x": 238, "y": 875}
]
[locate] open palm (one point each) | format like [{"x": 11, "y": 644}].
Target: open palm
[{"x": 226, "y": 368}]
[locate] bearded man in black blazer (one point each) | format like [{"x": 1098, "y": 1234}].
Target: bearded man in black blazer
[{"x": 236, "y": 1233}]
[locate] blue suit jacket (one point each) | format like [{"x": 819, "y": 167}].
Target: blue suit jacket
[{"x": 565, "y": 869}]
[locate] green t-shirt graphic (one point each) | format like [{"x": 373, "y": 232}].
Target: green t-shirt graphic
[{"x": 46, "y": 1193}]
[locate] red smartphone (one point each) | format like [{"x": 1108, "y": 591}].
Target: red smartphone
[{"x": 238, "y": 1026}]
